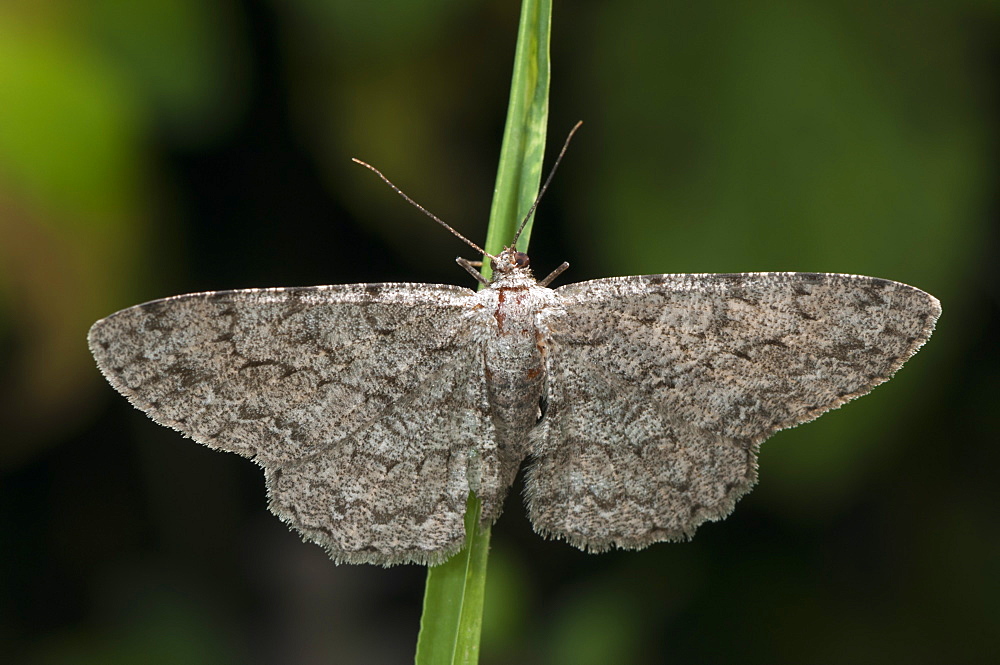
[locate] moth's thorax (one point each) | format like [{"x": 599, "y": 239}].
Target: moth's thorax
[
  {"x": 512, "y": 354},
  {"x": 514, "y": 299},
  {"x": 519, "y": 278}
]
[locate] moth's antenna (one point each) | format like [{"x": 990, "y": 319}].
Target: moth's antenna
[
  {"x": 538, "y": 198},
  {"x": 425, "y": 210}
]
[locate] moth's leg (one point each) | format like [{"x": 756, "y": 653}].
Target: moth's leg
[
  {"x": 471, "y": 266},
  {"x": 555, "y": 273}
]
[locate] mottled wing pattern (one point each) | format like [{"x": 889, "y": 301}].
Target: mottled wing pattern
[
  {"x": 662, "y": 387},
  {"x": 362, "y": 402}
]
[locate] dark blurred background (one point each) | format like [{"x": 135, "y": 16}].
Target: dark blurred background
[{"x": 155, "y": 148}]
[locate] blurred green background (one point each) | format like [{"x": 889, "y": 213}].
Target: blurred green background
[{"x": 155, "y": 148}]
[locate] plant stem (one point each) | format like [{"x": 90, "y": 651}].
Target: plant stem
[{"x": 453, "y": 598}]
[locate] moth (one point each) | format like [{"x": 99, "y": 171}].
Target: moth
[{"x": 640, "y": 402}]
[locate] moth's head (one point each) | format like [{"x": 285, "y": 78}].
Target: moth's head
[{"x": 509, "y": 260}]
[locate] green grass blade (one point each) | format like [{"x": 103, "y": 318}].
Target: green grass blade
[
  {"x": 453, "y": 598},
  {"x": 520, "y": 169}
]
